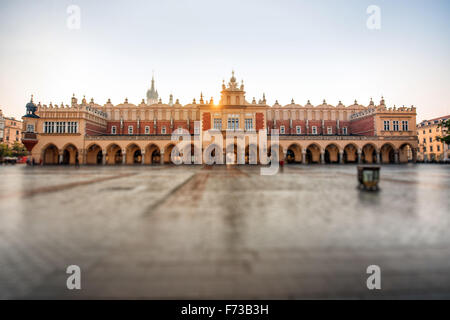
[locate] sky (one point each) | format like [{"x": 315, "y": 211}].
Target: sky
[{"x": 287, "y": 49}]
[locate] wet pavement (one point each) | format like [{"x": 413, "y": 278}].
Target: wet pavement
[{"x": 160, "y": 232}]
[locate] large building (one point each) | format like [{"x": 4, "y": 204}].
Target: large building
[
  {"x": 2, "y": 126},
  {"x": 89, "y": 133},
  {"x": 431, "y": 149},
  {"x": 10, "y": 130}
]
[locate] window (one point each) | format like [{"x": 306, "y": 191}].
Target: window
[
  {"x": 218, "y": 124},
  {"x": 386, "y": 125},
  {"x": 424, "y": 149},
  {"x": 233, "y": 122},
  {"x": 282, "y": 131},
  {"x": 395, "y": 125},
  {"x": 431, "y": 139},
  {"x": 113, "y": 129},
  {"x": 147, "y": 130},
  {"x": 424, "y": 140},
  {"x": 248, "y": 124},
  {"x": 72, "y": 127},
  {"x": 329, "y": 130},
  {"x": 431, "y": 148},
  {"x": 314, "y": 130},
  {"x": 130, "y": 129},
  {"x": 438, "y": 148},
  {"x": 196, "y": 130},
  {"x": 298, "y": 129},
  {"x": 404, "y": 125},
  {"x": 30, "y": 128},
  {"x": 163, "y": 130},
  {"x": 49, "y": 127},
  {"x": 423, "y": 131},
  {"x": 344, "y": 130},
  {"x": 430, "y": 131}
]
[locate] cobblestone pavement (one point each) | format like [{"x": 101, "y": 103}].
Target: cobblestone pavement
[{"x": 223, "y": 232}]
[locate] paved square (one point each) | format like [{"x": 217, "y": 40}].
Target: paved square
[{"x": 223, "y": 232}]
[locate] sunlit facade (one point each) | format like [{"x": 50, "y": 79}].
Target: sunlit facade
[{"x": 88, "y": 133}]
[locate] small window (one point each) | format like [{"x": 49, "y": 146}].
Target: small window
[
  {"x": 130, "y": 129},
  {"x": 431, "y": 139},
  {"x": 329, "y": 130},
  {"x": 438, "y": 148},
  {"x": 314, "y": 130},
  {"x": 30, "y": 128},
  {"x": 431, "y": 148},
  {"x": 395, "y": 125},
  {"x": 147, "y": 130},
  {"x": 298, "y": 129},
  {"x": 386, "y": 125},
  {"x": 113, "y": 130},
  {"x": 163, "y": 130},
  {"x": 424, "y": 140},
  {"x": 218, "y": 124},
  {"x": 344, "y": 130},
  {"x": 430, "y": 130},
  {"x": 282, "y": 130},
  {"x": 423, "y": 131},
  {"x": 404, "y": 125},
  {"x": 248, "y": 124}
]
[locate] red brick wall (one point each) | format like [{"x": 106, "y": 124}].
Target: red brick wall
[
  {"x": 363, "y": 126},
  {"x": 206, "y": 121},
  {"x": 93, "y": 129},
  {"x": 259, "y": 121}
]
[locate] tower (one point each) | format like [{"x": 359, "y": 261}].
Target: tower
[
  {"x": 152, "y": 94},
  {"x": 233, "y": 94}
]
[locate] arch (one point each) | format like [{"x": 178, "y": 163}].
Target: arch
[
  {"x": 277, "y": 149},
  {"x": 133, "y": 154},
  {"x": 350, "y": 153},
  {"x": 69, "y": 154},
  {"x": 152, "y": 154},
  {"x": 94, "y": 154},
  {"x": 50, "y": 154},
  {"x": 294, "y": 153},
  {"x": 331, "y": 153},
  {"x": 251, "y": 154},
  {"x": 405, "y": 153},
  {"x": 369, "y": 153},
  {"x": 114, "y": 154},
  {"x": 313, "y": 153},
  {"x": 387, "y": 152},
  {"x": 209, "y": 154},
  {"x": 167, "y": 152},
  {"x": 231, "y": 154}
]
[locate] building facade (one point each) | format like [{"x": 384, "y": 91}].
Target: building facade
[
  {"x": 89, "y": 133},
  {"x": 11, "y": 132},
  {"x": 431, "y": 149},
  {"x": 2, "y": 126}
]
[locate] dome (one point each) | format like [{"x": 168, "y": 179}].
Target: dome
[{"x": 31, "y": 109}]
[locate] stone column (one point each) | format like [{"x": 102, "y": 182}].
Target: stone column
[
  {"x": 378, "y": 157},
  {"x": 322, "y": 157},
  {"x": 341, "y": 157},
  {"x": 414, "y": 155},
  {"x": 61, "y": 158},
  {"x": 359, "y": 155},
  {"x": 83, "y": 153},
  {"x": 143, "y": 157},
  {"x": 161, "y": 161},
  {"x": 303, "y": 157},
  {"x": 124, "y": 157},
  {"x": 396, "y": 156},
  {"x": 103, "y": 157}
]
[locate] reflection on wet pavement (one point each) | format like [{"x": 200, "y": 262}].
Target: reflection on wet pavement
[{"x": 223, "y": 232}]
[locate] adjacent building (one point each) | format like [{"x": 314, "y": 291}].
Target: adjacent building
[
  {"x": 431, "y": 149},
  {"x": 2, "y": 126},
  {"x": 10, "y": 130},
  {"x": 88, "y": 133}
]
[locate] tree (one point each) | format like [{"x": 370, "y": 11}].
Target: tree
[
  {"x": 5, "y": 151},
  {"x": 19, "y": 150},
  {"x": 445, "y": 125}
]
